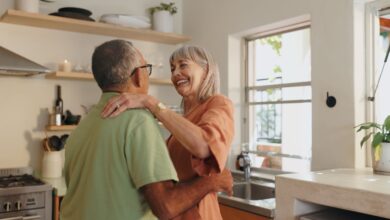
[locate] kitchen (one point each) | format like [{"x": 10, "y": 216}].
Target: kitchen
[{"x": 337, "y": 65}]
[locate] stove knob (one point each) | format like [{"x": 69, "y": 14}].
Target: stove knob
[
  {"x": 18, "y": 205},
  {"x": 7, "y": 206}
]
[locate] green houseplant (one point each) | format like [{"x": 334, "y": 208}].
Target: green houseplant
[
  {"x": 170, "y": 7},
  {"x": 380, "y": 144},
  {"x": 162, "y": 16}
]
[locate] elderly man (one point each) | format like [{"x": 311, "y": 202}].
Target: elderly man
[{"x": 119, "y": 168}]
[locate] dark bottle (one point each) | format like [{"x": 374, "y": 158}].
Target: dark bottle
[{"x": 59, "y": 105}]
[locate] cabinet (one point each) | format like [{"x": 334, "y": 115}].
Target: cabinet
[{"x": 229, "y": 213}]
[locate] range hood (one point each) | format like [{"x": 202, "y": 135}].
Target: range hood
[{"x": 12, "y": 64}]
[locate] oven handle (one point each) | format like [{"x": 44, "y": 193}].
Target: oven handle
[
  {"x": 31, "y": 217},
  {"x": 13, "y": 218}
]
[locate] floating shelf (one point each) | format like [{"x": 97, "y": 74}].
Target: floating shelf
[
  {"x": 89, "y": 27},
  {"x": 69, "y": 75},
  {"x": 60, "y": 128},
  {"x": 89, "y": 76}
]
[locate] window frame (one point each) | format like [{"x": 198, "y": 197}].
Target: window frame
[
  {"x": 373, "y": 11},
  {"x": 279, "y": 28}
]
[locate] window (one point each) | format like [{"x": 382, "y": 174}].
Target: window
[
  {"x": 278, "y": 96},
  {"x": 381, "y": 103},
  {"x": 376, "y": 17}
]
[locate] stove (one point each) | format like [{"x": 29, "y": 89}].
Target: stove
[{"x": 24, "y": 197}]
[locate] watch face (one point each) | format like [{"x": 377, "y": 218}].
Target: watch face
[{"x": 161, "y": 106}]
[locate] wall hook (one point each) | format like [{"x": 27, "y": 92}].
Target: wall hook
[{"x": 330, "y": 100}]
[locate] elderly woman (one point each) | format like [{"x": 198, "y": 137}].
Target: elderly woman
[{"x": 201, "y": 138}]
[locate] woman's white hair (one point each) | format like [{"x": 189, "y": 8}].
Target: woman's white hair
[{"x": 199, "y": 55}]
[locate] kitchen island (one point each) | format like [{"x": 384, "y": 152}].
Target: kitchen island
[{"x": 357, "y": 190}]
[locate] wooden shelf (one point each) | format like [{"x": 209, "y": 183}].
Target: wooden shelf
[
  {"x": 69, "y": 75},
  {"x": 89, "y": 27},
  {"x": 60, "y": 128},
  {"x": 89, "y": 76}
]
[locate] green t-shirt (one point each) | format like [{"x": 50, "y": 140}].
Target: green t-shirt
[{"x": 108, "y": 160}]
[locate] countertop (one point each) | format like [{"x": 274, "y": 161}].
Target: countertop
[{"x": 356, "y": 190}]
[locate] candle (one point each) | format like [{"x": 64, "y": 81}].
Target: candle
[{"x": 65, "y": 66}]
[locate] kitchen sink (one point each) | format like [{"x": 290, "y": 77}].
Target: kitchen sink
[
  {"x": 256, "y": 196},
  {"x": 253, "y": 191}
]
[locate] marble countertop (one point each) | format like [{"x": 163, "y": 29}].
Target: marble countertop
[
  {"x": 358, "y": 179},
  {"x": 356, "y": 190}
]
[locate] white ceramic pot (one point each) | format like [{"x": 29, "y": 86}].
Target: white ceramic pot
[
  {"x": 52, "y": 164},
  {"x": 27, "y": 5},
  {"x": 382, "y": 164},
  {"x": 162, "y": 21}
]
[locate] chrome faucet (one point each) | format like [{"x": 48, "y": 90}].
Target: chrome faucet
[{"x": 244, "y": 162}]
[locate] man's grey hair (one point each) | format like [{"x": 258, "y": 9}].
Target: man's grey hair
[
  {"x": 199, "y": 55},
  {"x": 112, "y": 63}
]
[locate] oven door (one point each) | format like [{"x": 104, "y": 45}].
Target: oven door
[{"x": 36, "y": 214}]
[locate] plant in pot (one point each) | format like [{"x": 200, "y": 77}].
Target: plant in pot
[
  {"x": 380, "y": 144},
  {"x": 162, "y": 16}
]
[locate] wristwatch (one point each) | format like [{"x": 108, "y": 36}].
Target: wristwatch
[{"x": 160, "y": 107}]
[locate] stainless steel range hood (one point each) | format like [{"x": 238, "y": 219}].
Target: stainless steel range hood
[{"x": 12, "y": 64}]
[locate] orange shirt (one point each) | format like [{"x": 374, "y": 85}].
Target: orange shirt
[{"x": 215, "y": 117}]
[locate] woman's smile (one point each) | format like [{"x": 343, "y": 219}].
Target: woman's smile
[{"x": 182, "y": 82}]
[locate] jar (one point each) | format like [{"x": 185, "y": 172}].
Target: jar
[
  {"x": 52, "y": 164},
  {"x": 27, "y": 5}
]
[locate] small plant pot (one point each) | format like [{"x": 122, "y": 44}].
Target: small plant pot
[
  {"x": 162, "y": 21},
  {"x": 27, "y": 5},
  {"x": 381, "y": 164}
]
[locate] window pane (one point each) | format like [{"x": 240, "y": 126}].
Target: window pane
[
  {"x": 268, "y": 123},
  {"x": 294, "y": 122},
  {"x": 283, "y": 58},
  {"x": 382, "y": 105}
]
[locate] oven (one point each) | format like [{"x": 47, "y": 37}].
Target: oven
[{"x": 24, "y": 197}]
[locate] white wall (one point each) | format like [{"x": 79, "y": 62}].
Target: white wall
[
  {"x": 24, "y": 101},
  {"x": 215, "y": 25}
]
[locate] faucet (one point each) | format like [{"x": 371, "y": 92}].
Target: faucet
[{"x": 244, "y": 163}]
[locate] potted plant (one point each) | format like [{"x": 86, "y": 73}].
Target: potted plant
[
  {"x": 380, "y": 144},
  {"x": 162, "y": 16}
]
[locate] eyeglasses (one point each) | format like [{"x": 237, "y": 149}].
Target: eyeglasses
[{"x": 147, "y": 66}]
